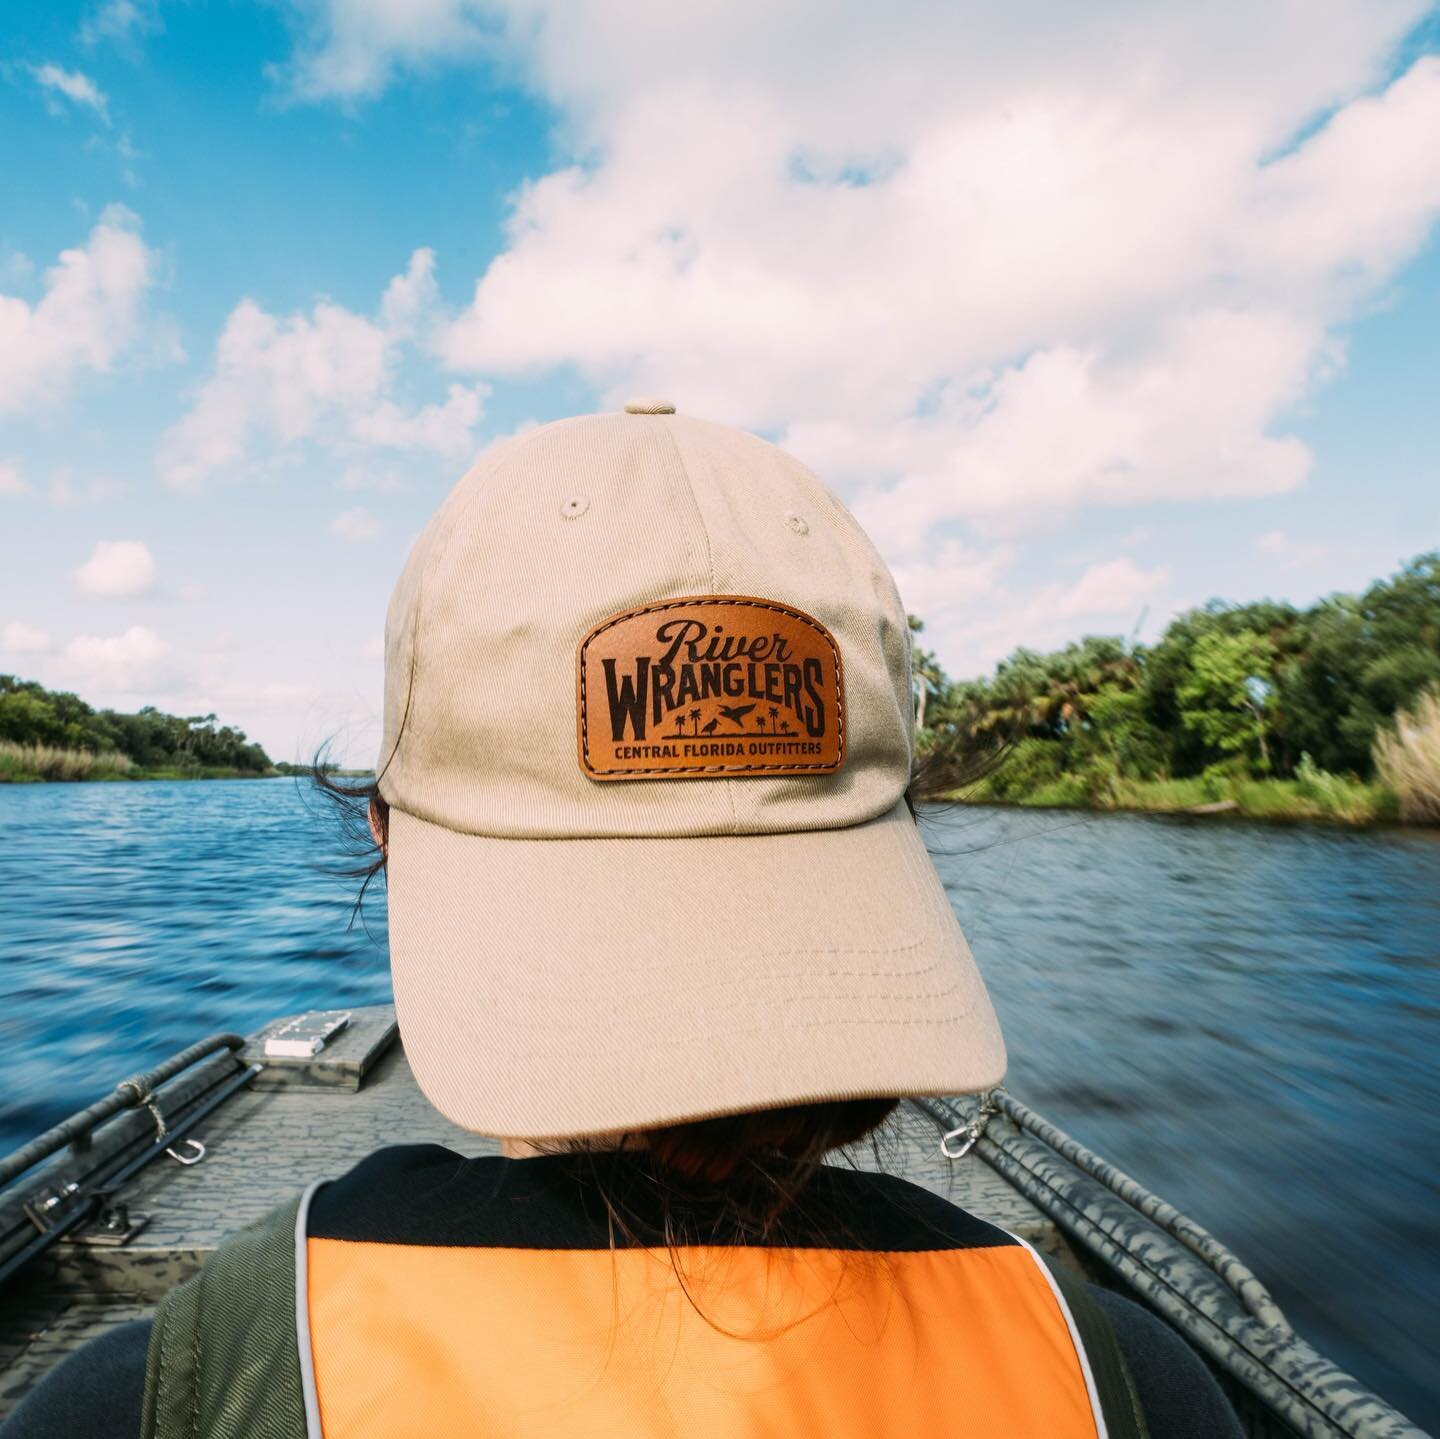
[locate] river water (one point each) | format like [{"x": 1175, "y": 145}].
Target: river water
[{"x": 1242, "y": 1016}]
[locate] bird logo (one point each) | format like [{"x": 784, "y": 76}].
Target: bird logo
[{"x": 736, "y": 713}]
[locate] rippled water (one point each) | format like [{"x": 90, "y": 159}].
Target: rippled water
[{"x": 1241, "y": 1016}]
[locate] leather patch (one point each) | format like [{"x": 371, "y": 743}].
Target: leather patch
[{"x": 710, "y": 685}]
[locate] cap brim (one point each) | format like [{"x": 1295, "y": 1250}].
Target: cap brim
[{"x": 554, "y": 987}]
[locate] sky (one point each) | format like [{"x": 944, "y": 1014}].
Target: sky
[{"x": 1090, "y": 313}]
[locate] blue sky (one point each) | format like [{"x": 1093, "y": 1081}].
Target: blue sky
[{"x": 1088, "y": 316}]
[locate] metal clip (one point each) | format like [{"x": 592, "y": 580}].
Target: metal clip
[
  {"x": 970, "y": 1132},
  {"x": 188, "y": 1159}
]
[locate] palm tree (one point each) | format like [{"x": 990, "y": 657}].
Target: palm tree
[
  {"x": 926, "y": 675},
  {"x": 774, "y": 715},
  {"x": 695, "y": 719}
]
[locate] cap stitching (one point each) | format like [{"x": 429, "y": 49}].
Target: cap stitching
[
  {"x": 743, "y": 997},
  {"x": 669, "y": 433},
  {"x": 782, "y": 1025},
  {"x": 686, "y": 603},
  {"x": 743, "y": 991}
]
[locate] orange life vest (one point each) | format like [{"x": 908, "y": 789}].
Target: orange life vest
[{"x": 445, "y": 1296}]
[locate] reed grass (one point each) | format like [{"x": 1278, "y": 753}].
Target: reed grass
[
  {"x": 22, "y": 762},
  {"x": 33, "y": 763},
  {"x": 1312, "y": 795},
  {"x": 1407, "y": 759}
]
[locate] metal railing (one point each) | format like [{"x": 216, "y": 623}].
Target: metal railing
[{"x": 134, "y": 1093}]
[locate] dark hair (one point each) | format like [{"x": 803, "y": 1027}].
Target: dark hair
[{"x": 743, "y": 1175}]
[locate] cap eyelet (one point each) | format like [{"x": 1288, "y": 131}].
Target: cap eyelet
[
  {"x": 797, "y": 523},
  {"x": 574, "y": 507}
]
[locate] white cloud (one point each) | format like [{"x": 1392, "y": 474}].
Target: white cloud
[
  {"x": 982, "y": 268},
  {"x": 12, "y": 482},
  {"x": 380, "y": 481},
  {"x": 444, "y": 429},
  {"x": 117, "y": 569},
  {"x": 1108, "y": 597},
  {"x": 136, "y": 662},
  {"x": 356, "y": 526},
  {"x": 18, "y": 638},
  {"x": 77, "y": 88},
  {"x": 1293, "y": 553},
  {"x": 66, "y": 492},
  {"x": 278, "y": 377},
  {"x": 409, "y": 299},
  {"x": 63, "y": 491},
  {"x": 976, "y": 612},
  {"x": 326, "y": 378},
  {"x": 89, "y": 315},
  {"x": 1113, "y": 588},
  {"x": 121, "y": 22},
  {"x": 349, "y": 51},
  {"x": 968, "y": 265},
  {"x": 953, "y": 576}
]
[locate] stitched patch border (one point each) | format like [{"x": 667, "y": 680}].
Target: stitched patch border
[{"x": 770, "y": 670}]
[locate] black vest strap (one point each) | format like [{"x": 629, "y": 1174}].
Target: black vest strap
[{"x": 1114, "y": 1384}]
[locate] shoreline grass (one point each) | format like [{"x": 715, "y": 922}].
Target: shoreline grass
[
  {"x": 49, "y": 764},
  {"x": 1326, "y": 798},
  {"x": 1407, "y": 758}
]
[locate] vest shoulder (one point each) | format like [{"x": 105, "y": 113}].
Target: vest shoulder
[
  {"x": 408, "y": 1194},
  {"x": 428, "y": 1195},
  {"x": 890, "y": 1213}
]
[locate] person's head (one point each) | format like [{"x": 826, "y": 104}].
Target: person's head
[
  {"x": 642, "y": 796},
  {"x": 757, "y": 1162}
]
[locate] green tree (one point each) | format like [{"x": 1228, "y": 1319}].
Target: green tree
[
  {"x": 1357, "y": 660},
  {"x": 31, "y": 714},
  {"x": 1117, "y": 734},
  {"x": 1224, "y": 697}
]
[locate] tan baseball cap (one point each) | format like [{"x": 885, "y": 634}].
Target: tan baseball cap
[{"x": 648, "y": 731}]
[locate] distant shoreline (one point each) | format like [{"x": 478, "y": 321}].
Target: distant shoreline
[
  {"x": 46, "y": 764},
  {"x": 141, "y": 776},
  {"x": 1348, "y": 803},
  {"x": 136, "y": 776}
]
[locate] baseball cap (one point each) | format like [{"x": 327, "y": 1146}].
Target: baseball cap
[{"x": 648, "y": 731}]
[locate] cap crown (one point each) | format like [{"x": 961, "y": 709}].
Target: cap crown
[{"x": 556, "y": 531}]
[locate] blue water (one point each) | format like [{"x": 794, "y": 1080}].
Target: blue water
[{"x": 1242, "y": 1016}]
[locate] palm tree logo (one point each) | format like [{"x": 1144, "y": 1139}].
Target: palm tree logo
[
  {"x": 693, "y": 717},
  {"x": 774, "y": 718}
]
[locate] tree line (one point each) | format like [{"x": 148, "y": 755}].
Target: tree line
[
  {"x": 31, "y": 715},
  {"x": 1260, "y": 691}
]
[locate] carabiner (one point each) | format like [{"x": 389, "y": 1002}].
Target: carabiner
[
  {"x": 971, "y": 1132},
  {"x": 188, "y": 1159}
]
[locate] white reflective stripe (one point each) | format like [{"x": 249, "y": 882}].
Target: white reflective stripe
[
  {"x": 1095, "y": 1409},
  {"x": 302, "y": 1316}
]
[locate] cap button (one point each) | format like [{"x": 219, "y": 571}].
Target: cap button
[{"x": 649, "y": 407}]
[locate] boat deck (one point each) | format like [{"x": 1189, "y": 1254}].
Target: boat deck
[{"x": 297, "y": 1123}]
